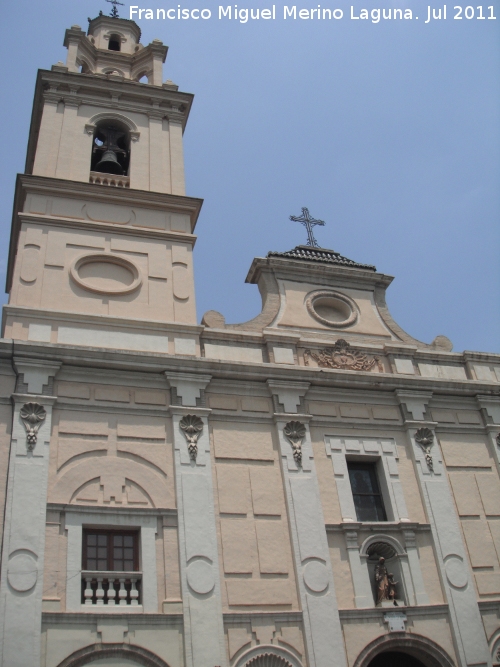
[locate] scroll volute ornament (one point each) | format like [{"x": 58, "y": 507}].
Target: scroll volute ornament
[
  {"x": 295, "y": 432},
  {"x": 192, "y": 426},
  {"x": 32, "y": 415},
  {"x": 425, "y": 438}
]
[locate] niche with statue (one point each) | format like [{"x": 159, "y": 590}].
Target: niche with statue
[{"x": 386, "y": 575}]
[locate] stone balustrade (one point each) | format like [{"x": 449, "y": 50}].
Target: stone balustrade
[
  {"x": 111, "y": 588},
  {"x": 109, "y": 179}
]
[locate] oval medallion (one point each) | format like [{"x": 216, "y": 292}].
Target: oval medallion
[
  {"x": 105, "y": 274},
  {"x": 200, "y": 577},
  {"x": 22, "y": 572}
]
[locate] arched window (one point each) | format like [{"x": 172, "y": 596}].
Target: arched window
[
  {"x": 268, "y": 660},
  {"x": 115, "y": 43},
  {"x": 111, "y": 148},
  {"x": 267, "y": 656}
]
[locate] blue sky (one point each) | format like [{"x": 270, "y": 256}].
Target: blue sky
[{"x": 389, "y": 131}]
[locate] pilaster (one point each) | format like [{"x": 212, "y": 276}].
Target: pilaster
[
  {"x": 68, "y": 136},
  {"x": 24, "y": 533},
  {"x": 363, "y": 596},
  {"x": 176, "y": 153},
  {"x": 322, "y": 630},
  {"x": 490, "y": 409},
  {"x": 467, "y": 628},
  {"x": 200, "y": 575}
]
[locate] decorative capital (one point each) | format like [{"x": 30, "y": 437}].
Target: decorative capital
[
  {"x": 192, "y": 426},
  {"x": 32, "y": 415},
  {"x": 425, "y": 438},
  {"x": 295, "y": 432}
]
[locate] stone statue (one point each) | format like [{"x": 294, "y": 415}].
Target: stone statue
[
  {"x": 392, "y": 587},
  {"x": 386, "y": 586},
  {"x": 382, "y": 581}
]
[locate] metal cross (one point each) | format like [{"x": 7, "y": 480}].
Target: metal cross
[
  {"x": 114, "y": 11},
  {"x": 308, "y": 223}
]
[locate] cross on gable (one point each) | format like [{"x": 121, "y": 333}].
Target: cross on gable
[
  {"x": 308, "y": 223},
  {"x": 114, "y": 11}
]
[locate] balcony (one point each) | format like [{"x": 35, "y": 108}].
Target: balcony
[
  {"x": 109, "y": 179},
  {"x": 111, "y": 588}
]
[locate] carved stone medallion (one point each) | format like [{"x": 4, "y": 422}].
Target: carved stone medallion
[
  {"x": 192, "y": 426},
  {"x": 32, "y": 415},
  {"x": 344, "y": 357}
]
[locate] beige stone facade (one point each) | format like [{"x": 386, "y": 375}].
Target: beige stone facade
[{"x": 255, "y": 472}]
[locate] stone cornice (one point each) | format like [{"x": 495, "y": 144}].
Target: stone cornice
[
  {"x": 302, "y": 271},
  {"x": 274, "y": 616},
  {"x": 133, "y": 197},
  {"x": 89, "y": 618},
  {"x": 102, "y": 509},
  {"x": 377, "y": 527},
  {"x": 44, "y": 185},
  {"x": 378, "y": 613},
  {"x": 318, "y": 377}
]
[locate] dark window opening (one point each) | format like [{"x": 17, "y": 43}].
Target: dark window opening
[
  {"x": 366, "y": 492},
  {"x": 395, "y": 659},
  {"x": 115, "y": 43},
  {"x": 110, "y": 551},
  {"x": 110, "y": 150}
]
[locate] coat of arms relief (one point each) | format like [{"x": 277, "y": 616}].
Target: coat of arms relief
[{"x": 343, "y": 356}]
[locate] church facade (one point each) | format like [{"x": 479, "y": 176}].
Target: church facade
[{"x": 312, "y": 488}]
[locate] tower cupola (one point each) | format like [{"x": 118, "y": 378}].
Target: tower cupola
[{"x": 112, "y": 46}]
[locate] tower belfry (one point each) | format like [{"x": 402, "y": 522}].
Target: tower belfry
[{"x": 102, "y": 227}]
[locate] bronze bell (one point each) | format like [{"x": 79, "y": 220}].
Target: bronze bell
[{"x": 108, "y": 164}]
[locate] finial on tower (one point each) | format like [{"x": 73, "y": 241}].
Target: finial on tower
[
  {"x": 114, "y": 12},
  {"x": 307, "y": 221}
]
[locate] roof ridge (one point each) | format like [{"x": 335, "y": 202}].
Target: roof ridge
[{"x": 324, "y": 255}]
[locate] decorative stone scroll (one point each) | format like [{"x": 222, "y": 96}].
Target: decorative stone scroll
[
  {"x": 425, "y": 438},
  {"x": 192, "y": 426},
  {"x": 295, "y": 432},
  {"x": 32, "y": 415},
  {"x": 344, "y": 357}
]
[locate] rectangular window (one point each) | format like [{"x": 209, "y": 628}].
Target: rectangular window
[
  {"x": 111, "y": 551},
  {"x": 366, "y": 491},
  {"x": 110, "y": 559}
]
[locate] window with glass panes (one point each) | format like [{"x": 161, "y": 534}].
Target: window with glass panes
[
  {"x": 110, "y": 551},
  {"x": 366, "y": 491}
]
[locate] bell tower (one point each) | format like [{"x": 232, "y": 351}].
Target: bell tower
[{"x": 102, "y": 232}]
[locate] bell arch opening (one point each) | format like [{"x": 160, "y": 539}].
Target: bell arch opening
[
  {"x": 111, "y": 148},
  {"x": 115, "y": 43}
]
